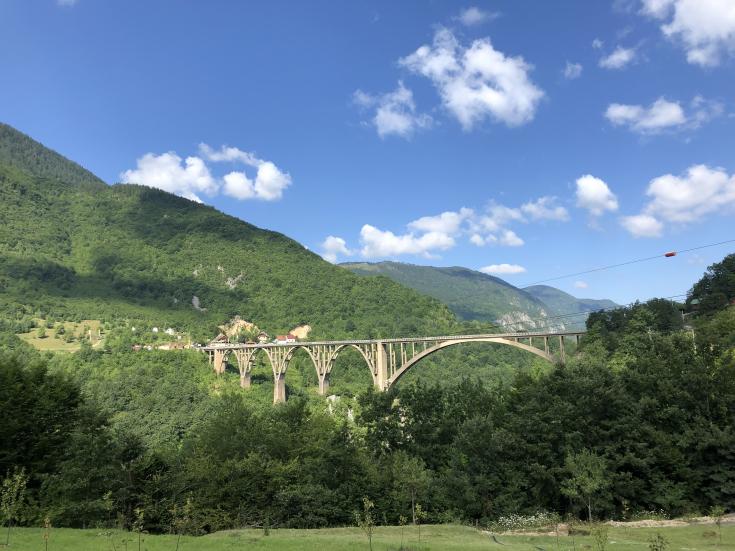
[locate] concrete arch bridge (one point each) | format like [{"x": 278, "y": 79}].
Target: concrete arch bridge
[{"x": 387, "y": 359}]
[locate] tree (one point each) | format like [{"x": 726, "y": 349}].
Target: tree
[
  {"x": 410, "y": 478},
  {"x": 366, "y": 520},
  {"x": 586, "y": 477},
  {"x": 12, "y": 498},
  {"x": 41, "y": 333}
]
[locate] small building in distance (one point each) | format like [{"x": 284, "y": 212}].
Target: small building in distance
[
  {"x": 285, "y": 339},
  {"x": 263, "y": 337}
]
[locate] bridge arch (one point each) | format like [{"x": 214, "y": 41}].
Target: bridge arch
[{"x": 452, "y": 342}]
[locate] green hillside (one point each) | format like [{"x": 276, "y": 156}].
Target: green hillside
[
  {"x": 73, "y": 248},
  {"x": 564, "y": 304},
  {"x": 469, "y": 294}
]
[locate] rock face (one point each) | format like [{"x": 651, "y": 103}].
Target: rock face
[
  {"x": 236, "y": 325},
  {"x": 301, "y": 332}
]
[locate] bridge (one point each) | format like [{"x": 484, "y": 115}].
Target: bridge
[{"x": 387, "y": 359}]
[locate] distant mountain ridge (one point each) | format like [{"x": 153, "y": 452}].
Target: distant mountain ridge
[
  {"x": 473, "y": 295},
  {"x": 470, "y": 294},
  {"x": 564, "y": 304}
]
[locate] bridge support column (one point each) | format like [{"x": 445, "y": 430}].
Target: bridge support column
[
  {"x": 381, "y": 367},
  {"x": 562, "y": 356},
  {"x": 323, "y": 384},
  {"x": 279, "y": 388},
  {"x": 219, "y": 362},
  {"x": 245, "y": 380}
]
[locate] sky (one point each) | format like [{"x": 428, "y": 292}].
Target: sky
[{"x": 526, "y": 139}]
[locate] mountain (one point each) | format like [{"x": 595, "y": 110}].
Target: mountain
[
  {"x": 471, "y": 295},
  {"x": 74, "y": 248},
  {"x": 564, "y": 304}
]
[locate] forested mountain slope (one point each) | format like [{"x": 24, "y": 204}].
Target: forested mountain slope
[
  {"x": 73, "y": 247},
  {"x": 471, "y": 295},
  {"x": 564, "y": 304}
]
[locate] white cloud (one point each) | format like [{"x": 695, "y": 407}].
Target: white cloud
[
  {"x": 619, "y": 58},
  {"x": 169, "y": 173},
  {"x": 545, "y": 208},
  {"x": 642, "y": 225},
  {"x": 692, "y": 196},
  {"x": 594, "y": 195},
  {"x": 660, "y": 115},
  {"x": 428, "y": 235},
  {"x": 700, "y": 192},
  {"x": 376, "y": 242},
  {"x": 705, "y": 28},
  {"x": 333, "y": 246},
  {"x": 193, "y": 176},
  {"x": 572, "y": 70},
  {"x": 663, "y": 115},
  {"x": 597, "y": 44},
  {"x": 503, "y": 269},
  {"x": 478, "y": 82},
  {"x": 580, "y": 284},
  {"x": 395, "y": 112},
  {"x": 509, "y": 238},
  {"x": 447, "y": 222},
  {"x": 473, "y": 16}
]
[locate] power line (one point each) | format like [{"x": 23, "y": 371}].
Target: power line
[
  {"x": 601, "y": 268},
  {"x": 573, "y": 314}
]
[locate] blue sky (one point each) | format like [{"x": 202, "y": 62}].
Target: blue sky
[{"x": 505, "y": 135}]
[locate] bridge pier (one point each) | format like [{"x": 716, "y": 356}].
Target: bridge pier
[
  {"x": 279, "y": 388},
  {"x": 245, "y": 380},
  {"x": 219, "y": 361},
  {"x": 323, "y": 384},
  {"x": 381, "y": 367}
]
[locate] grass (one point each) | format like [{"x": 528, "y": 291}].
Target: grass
[
  {"x": 433, "y": 537},
  {"x": 50, "y": 343}
]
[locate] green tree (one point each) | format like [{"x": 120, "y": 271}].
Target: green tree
[
  {"x": 587, "y": 476},
  {"x": 12, "y": 498},
  {"x": 410, "y": 479},
  {"x": 366, "y": 520}
]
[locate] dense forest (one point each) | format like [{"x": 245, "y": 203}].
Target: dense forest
[{"x": 640, "y": 419}]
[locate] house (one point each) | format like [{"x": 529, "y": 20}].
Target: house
[
  {"x": 263, "y": 336},
  {"x": 285, "y": 339}
]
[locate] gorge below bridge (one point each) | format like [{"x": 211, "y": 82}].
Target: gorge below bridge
[{"x": 387, "y": 359}]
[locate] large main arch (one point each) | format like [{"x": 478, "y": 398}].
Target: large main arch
[{"x": 395, "y": 376}]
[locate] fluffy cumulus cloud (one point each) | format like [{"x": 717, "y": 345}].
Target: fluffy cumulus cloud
[
  {"x": 545, "y": 208},
  {"x": 191, "y": 177},
  {"x": 188, "y": 177},
  {"x": 619, "y": 58},
  {"x": 447, "y": 222},
  {"x": 379, "y": 243},
  {"x": 428, "y": 236},
  {"x": 477, "y": 82},
  {"x": 662, "y": 115},
  {"x": 642, "y": 225},
  {"x": 572, "y": 70},
  {"x": 395, "y": 112},
  {"x": 333, "y": 246},
  {"x": 594, "y": 195},
  {"x": 502, "y": 269},
  {"x": 704, "y": 28},
  {"x": 700, "y": 192},
  {"x": 473, "y": 16}
]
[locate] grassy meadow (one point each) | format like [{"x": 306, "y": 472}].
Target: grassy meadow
[{"x": 695, "y": 537}]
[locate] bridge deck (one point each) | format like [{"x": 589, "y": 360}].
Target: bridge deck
[{"x": 519, "y": 335}]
